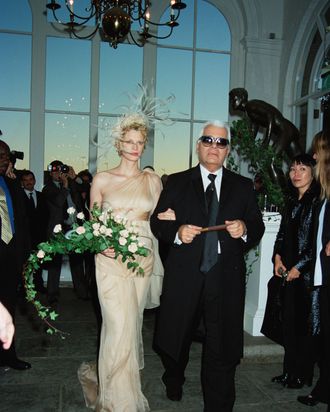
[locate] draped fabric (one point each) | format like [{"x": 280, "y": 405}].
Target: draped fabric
[{"x": 123, "y": 296}]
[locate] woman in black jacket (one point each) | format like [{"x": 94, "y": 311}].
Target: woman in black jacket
[{"x": 292, "y": 258}]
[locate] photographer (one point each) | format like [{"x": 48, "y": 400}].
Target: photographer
[{"x": 61, "y": 192}]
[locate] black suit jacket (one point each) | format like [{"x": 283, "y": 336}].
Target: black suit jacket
[
  {"x": 57, "y": 202},
  {"x": 38, "y": 218},
  {"x": 183, "y": 281}
]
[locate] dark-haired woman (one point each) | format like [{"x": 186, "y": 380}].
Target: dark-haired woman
[{"x": 293, "y": 256}]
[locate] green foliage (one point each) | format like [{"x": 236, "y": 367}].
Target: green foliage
[
  {"x": 102, "y": 231},
  {"x": 259, "y": 158}
]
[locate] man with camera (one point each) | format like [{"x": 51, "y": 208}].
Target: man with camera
[{"x": 61, "y": 192}]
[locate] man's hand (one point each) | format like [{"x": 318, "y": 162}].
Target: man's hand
[
  {"x": 64, "y": 180},
  {"x": 236, "y": 228},
  {"x": 187, "y": 233},
  {"x": 71, "y": 173}
]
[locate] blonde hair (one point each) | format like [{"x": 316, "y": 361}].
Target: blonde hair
[
  {"x": 133, "y": 121},
  {"x": 321, "y": 148}
]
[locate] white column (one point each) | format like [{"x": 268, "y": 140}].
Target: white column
[{"x": 262, "y": 271}]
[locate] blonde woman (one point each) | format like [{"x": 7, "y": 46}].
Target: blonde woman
[
  {"x": 321, "y": 150},
  {"x": 132, "y": 194}
]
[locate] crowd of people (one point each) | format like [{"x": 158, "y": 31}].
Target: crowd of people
[{"x": 205, "y": 219}]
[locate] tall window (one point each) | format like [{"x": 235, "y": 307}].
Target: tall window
[
  {"x": 193, "y": 64},
  {"x": 15, "y": 79}
]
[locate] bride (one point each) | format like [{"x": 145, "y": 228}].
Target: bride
[{"x": 115, "y": 384}]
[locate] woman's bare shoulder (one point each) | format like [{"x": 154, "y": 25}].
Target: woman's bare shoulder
[{"x": 103, "y": 178}]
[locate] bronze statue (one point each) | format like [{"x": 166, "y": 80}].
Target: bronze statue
[
  {"x": 277, "y": 129},
  {"x": 282, "y": 132}
]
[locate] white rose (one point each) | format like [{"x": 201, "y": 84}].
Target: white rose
[
  {"x": 40, "y": 254},
  {"x": 133, "y": 247},
  {"x": 80, "y": 216},
  {"x": 124, "y": 233},
  {"x": 103, "y": 229},
  {"x": 96, "y": 232},
  {"x": 103, "y": 217},
  {"x": 96, "y": 226},
  {"x": 118, "y": 219},
  {"x": 122, "y": 241},
  {"x": 108, "y": 232},
  {"x": 71, "y": 210},
  {"x": 57, "y": 229},
  {"x": 141, "y": 244},
  {"x": 80, "y": 230},
  {"x": 133, "y": 237}
]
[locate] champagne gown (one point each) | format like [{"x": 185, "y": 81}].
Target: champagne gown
[{"x": 115, "y": 384}]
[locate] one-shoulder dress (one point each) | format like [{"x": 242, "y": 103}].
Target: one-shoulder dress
[{"x": 114, "y": 384}]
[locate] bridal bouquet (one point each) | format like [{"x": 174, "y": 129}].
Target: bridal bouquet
[{"x": 103, "y": 230}]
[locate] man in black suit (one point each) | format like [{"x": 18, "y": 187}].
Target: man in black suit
[
  {"x": 14, "y": 247},
  {"x": 61, "y": 192},
  {"x": 37, "y": 212},
  {"x": 205, "y": 271}
]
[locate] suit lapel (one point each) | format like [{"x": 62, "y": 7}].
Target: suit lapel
[{"x": 197, "y": 184}]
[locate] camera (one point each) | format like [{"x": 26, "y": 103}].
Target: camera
[
  {"x": 58, "y": 168},
  {"x": 14, "y": 155}
]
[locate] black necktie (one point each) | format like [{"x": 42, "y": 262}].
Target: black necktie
[
  {"x": 31, "y": 201},
  {"x": 210, "y": 250}
]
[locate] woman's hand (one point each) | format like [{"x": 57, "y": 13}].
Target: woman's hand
[
  {"x": 169, "y": 214},
  {"x": 7, "y": 328},
  {"x": 293, "y": 274},
  {"x": 278, "y": 266},
  {"x": 110, "y": 253}
]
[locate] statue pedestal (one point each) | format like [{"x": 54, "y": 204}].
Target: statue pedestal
[{"x": 260, "y": 262}]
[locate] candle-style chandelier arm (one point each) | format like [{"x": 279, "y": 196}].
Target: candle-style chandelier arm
[{"x": 114, "y": 19}]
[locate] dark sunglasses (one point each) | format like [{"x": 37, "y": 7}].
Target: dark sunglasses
[{"x": 221, "y": 142}]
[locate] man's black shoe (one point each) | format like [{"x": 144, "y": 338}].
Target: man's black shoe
[
  {"x": 173, "y": 392},
  {"x": 308, "y": 400},
  {"x": 174, "y": 395},
  {"x": 16, "y": 364}
]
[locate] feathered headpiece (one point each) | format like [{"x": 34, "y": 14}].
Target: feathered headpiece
[{"x": 143, "y": 110}]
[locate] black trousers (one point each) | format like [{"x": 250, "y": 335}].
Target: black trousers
[
  {"x": 77, "y": 273},
  {"x": 218, "y": 374},
  {"x": 321, "y": 390},
  {"x": 9, "y": 277}
]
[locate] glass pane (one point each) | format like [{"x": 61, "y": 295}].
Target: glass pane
[
  {"x": 217, "y": 35},
  {"x": 15, "y": 79},
  {"x": 183, "y": 34},
  {"x": 67, "y": 139},
  {"x": 171, "y": 148},
  {"x": 68, "y": 74},
  {"x": 107, "y": 156},
  {"x": 175, "y": 79},
  {"x": 212, "y": 86},
  {"x": 316, "y": 43},
  {"x": 16, "y": 15},
  {"x": 15, "y": 127},
  {"x": 196, "y": 133},
  {"x": 120, "y": 73}
]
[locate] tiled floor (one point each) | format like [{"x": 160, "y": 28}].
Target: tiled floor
[{"x": 52, "y": 385}]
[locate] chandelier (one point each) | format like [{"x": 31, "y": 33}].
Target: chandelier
[{"x": 114, "y": 19}]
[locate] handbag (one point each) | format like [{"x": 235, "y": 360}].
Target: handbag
[{"x": 272, "y": 326}]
